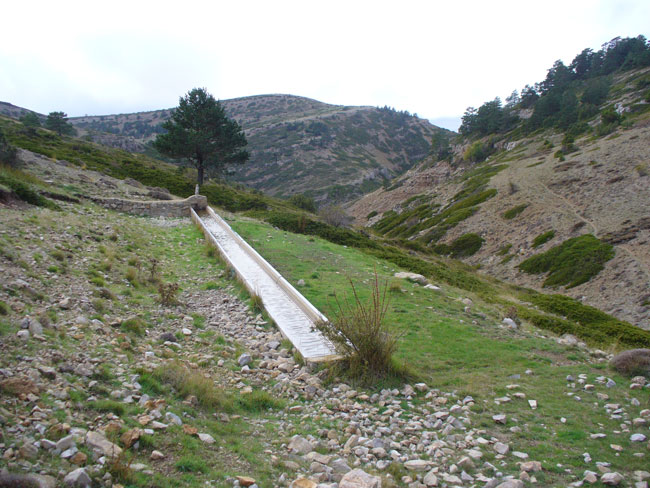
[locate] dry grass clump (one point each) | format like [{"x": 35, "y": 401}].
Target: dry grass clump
[
  {"x": 360, "y": 334},
  {"x": 187, "y": 382},
  {"x": 168, "y": 292},
  {"x": 632, "y": 362}
]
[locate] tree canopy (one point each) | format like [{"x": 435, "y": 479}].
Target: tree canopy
[
  {"x": 567, "y": 97},
  {"x": 200, "y": 132},
  {"x": 31, "y": 120},
  {"x": 58, "y": 122}
]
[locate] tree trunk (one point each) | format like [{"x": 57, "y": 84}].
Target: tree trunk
[{"x": 199, "y": 167}]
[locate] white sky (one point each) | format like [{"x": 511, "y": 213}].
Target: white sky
[{"x": 434, "y": 58}]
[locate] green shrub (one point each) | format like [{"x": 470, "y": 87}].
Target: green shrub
[
  {"x": 258, "y": 401},
  {"x": 571, "y": 263},
  {"x": 7, "y": 151},
  {"x": 587, "y": 322},
  {"x": 134, "y": 325},
  {"x": 371, "y": 214},
  {"x": 503, "y": 250},
  {"x": 113, "y": 406},
  {"x": 610, "y": 116},
  {"x": 23, "y": 190},
  {"x": 478, "y": 151},
  {"x": 543, "y": 238},
  {"x": 303, "y": 202},
  {"x": 514, "y": 211},
  {"x": 4, "y": 308},
  {"x": 466, "y": 245}
]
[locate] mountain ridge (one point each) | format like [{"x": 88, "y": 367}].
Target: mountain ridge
[{"x": 332, "y": 153}]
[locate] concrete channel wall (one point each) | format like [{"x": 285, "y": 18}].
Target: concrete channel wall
[{"x": 313, "y": 315}]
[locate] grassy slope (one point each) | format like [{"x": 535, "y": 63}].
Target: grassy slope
[
  {"x": 468, "y": 352},
  {"x": 450, "y": 348}
]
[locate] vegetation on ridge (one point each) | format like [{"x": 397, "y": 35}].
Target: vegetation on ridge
[{"x": 571, "y": 263}]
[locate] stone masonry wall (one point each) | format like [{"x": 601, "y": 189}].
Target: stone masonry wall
[{"x": 155, "y": 208}]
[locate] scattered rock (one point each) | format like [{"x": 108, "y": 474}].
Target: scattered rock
[
  {"x": 417, "y": 278},
  {"x": 207, "y": 438},
  {"x": 98, "y": 443},
  {"x": 357, "y": 478},
  {"x": 613, "y": 479},
  {"x": 77, "y": 478}
]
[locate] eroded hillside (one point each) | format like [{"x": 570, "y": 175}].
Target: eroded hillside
[{"x": 528, "y": 198}]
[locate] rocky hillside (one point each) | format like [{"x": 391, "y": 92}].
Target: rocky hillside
[
  {"x": 104, "y": 383},
  {"x": 534, "y": 193},
  {"x": 331, "y": 152}
]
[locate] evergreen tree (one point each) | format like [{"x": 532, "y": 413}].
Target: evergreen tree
[
  {"x": 31, "y": 120},
  {"x": 58, "y": 122},
  {"x": 200, "y": 132}
]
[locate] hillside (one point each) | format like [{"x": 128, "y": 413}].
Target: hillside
[
  {"x": 103, "y": 380},
  {"x": 330, "y": 152},
  {"x": 537, "y": 191}
]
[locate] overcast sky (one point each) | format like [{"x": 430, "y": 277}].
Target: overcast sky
[{"x": 428, "y": 57}]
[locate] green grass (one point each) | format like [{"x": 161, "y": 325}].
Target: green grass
[
  {"x": 571, "y": 263},
  {"x": 468, "y": 353},
  {"x": 22, "y": 185}
]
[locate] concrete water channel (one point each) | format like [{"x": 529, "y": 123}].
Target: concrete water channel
[{"x": 294, "y": 315}]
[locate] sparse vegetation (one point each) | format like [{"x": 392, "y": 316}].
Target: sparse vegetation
[
  {"x": 361, "y": 334},
  {"x": 514, "y": 211},
  {"x": 168, "y": 293},
  {"x": 543, "y": 238}
]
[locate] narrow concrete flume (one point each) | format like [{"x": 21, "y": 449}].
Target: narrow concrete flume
[{"x": 294, "y": 315}]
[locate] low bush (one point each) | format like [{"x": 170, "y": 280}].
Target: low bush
[
  {"x": 360, "y": 334},
  {"x": 303, "y": 202},
  {"x": 258, "y": 401},
  {"x": 634, "y": 362},
  {"x": 514, "y": 211},
  {"x": 571, "y": 263},
  {"x": 187, "y": 382},
  {"x": 134, "y": 325},
  {"x": 584, "y": 321},
  {"x": 23, "y": 190},
  {"x": 543, "y": 238},
  {"x": 466, "y": 245},
  {"x": 191, "y": 464},
  {"x": 168, "y": 293}
]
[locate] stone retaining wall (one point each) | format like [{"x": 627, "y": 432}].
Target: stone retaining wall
[{"x": 155, "y": 208}]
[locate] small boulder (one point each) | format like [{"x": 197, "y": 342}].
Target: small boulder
[
  {"x": 357, "y": 478},
  {"x": 77, "y": 479},
  {"x": 300, "y": 445},
  {"x": 612, "y": 479}
]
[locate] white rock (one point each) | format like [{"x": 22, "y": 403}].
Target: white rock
[
  {"x": 418, "y": 278},
  {"x": 207, "y": 438},
  {"x": 357, "y": 478},
  {"x": 510, "y": 323},
  {"x": 612, "y": 479},
  {"x": 637, "y": 438},
  {"x": 430, "y": 479},
  {"x": 77, "y": 478},
  {"x": 501, "y": 448}
]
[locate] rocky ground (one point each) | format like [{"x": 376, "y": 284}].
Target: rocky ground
[{"x": 103, "y": 385}]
